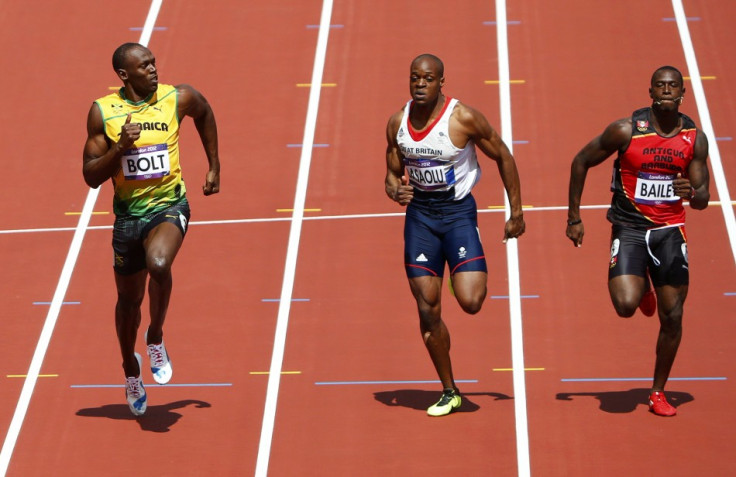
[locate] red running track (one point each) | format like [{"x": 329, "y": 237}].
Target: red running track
[{"x": 353, "y": 319}]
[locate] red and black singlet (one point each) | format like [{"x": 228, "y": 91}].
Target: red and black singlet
[{"x": 643, "y": 194}]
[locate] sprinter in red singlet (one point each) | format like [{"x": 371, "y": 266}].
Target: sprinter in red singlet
[
  {"x": 662, "y": 159},
  {"x": 431, "y": 169}
]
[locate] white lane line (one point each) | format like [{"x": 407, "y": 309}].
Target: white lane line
[
  {"x": 696, "y": 85},
  {"x": 550, "y": 208},
  {"x": 512, "y": 256},
  {"x": 66, "y": 274},
  {"x": 282, "y": 321}
]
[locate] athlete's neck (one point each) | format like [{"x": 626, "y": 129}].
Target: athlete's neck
[
  {"x": 130, "y": 94},
  {"x": 420, "y": 115},
  {"x": 666, "y": 123}
]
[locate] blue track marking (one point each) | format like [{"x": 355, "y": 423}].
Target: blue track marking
[
  {"x": 589, "y": 380},
  {"x": 191, "y": 385},
  {"x": 351, "y": 383},
  {"x": 506, "y": 297},
  {"x": 276, "y": 300},
  {"x": 690, "y": 19}
]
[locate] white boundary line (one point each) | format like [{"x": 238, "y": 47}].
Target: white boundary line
[
  {"x": 66, "y": 273},
  {"x": 274, "y": 376},
  {"x": 512, "y": 255},
  {"x": 705, "y": 123},
  {"x": 319, "y": 217}
]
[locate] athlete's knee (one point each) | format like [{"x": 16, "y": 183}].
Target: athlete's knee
[
  {"x": 129, "y": 302},
  {"x": 625, "y": 309},
  {"x": 430, "y": 318},
  {"x": 470, "y": 292},
  {"x": 159, "y": 267},
  {"x": 625, "y": 302},
  {"x": 670, "y": 322},
  {"x": 472, "y": 304}
]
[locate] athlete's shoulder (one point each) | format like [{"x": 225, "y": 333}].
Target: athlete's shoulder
[
  {"x": 110, "y": 106},
  {"x": 166, "y": 90},
  {"x": 465, "y": 114},
  {"x": 394, "y": 121},
  {"x": 109, "y": 98},
  {"x": 620, "y": 126}
]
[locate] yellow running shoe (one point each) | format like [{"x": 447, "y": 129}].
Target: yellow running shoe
[{"x": 449, "y": 401}]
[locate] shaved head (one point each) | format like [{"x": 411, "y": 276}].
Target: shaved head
[
  {"x": 665, "y": 68},
  {"x": 433, "y": 59},
  {"x": 118, "y": 56}
]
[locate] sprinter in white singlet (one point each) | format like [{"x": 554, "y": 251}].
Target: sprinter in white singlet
[{"x": 432, "y": 168}]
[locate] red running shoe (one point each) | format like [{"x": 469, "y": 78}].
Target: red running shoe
[
  {"x": 648, "y": 303},
  {"x": 658, "y": 405}
]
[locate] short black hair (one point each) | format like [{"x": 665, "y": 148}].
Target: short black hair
[
  {"x": 437, "y": 61},
  {"x": 665, "y": 68},
  {"x": 118, "y": 56}
]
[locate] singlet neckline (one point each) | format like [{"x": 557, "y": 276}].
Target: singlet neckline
[
  {"x": 680, "y": 125},
  {"x": 145, "y": 100},
  {"x": 419, "y": 135}
]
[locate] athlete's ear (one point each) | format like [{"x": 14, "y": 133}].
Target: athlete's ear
[
  {"x": 442, "y": 81},
  {"x": 122, "y": 74}
]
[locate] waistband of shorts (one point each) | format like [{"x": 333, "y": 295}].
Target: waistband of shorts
[
  {"x": 180, "y": 201},
  {"x": 442, "y": 203}
]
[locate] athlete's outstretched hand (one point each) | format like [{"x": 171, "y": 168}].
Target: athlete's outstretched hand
[
  {"x": 211, "y": 183},
  {"x": 515, "y": 226},
  {"x": 575, "y": 233}
]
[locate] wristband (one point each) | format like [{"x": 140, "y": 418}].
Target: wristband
[{"x": 574, "y": 222}]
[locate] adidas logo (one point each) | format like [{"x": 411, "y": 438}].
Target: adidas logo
[{"x": 421, "y": 258}]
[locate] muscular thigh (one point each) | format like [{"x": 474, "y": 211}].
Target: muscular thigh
[
  {"x": 423, "y": 255},
  {"x": 133, "y": 236},
  {"x": 668, "y": 261},
  {"x": 628, "y": 253},
  {"x": 129, "y": 256},
  {"x": 462, "y": 247}
]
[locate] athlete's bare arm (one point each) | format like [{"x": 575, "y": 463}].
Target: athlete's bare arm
[
  {"x": 614, "y": 138},
  {"x": 192, "y": 103},
  {"x": 397, "y": 184},
  {"x": 101, "y": 160},
  {"x": 695, "y": 187},
  {"x": 466, "y": 121}
]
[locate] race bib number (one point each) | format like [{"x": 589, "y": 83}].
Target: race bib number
[
  {"x": 148, "y": 162},
  {"x": 654, "y": 189},
  {"x": 428, "y": 176}
]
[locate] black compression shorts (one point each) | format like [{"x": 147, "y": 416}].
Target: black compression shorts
[
  {"x": 129, "y": 233},
  {"x": 663, "y": 252}
]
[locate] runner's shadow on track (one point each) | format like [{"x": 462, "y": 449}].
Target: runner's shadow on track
[
  {"x": 618, "y": 402},
  {"x": 421, "y": 400},
  {"x": 157, "y": 418}
]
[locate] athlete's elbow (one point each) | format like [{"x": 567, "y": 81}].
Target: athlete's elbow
[
  {"x": 700, "y": 203},
  {"x": 91, "y": 180}
]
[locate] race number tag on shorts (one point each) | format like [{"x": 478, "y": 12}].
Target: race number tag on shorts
[
  {"x": 148, "y": 162},
  {"x": 428, "y": 175},
  {"x": 654, "y": 189}
]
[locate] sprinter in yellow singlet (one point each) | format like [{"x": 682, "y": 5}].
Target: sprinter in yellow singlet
[{"x": 133, "y": 139}]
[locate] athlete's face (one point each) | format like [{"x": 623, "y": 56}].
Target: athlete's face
[
  {"x": 425, "y": 82},
  {"x": 666, "y": 90},
  {"x": 140, "y": 71}
]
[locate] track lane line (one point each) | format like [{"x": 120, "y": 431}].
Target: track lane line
[
  {"x": 282, "y": 321},
  {"x": 512, "y": 255},
  {"x": 66, "y": 273},
  {"x": 706, "y": 124}
]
